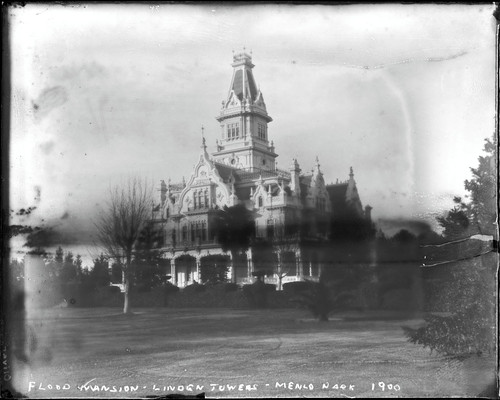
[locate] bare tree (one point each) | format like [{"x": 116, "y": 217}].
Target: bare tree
[{"x": 120, "y": 224}]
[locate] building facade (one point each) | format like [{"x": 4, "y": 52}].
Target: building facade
[{"x": 243, "y": 170}]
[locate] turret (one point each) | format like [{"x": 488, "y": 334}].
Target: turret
[{"x": 243, "y": 119}]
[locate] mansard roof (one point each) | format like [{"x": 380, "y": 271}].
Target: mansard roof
[
  {"x": 242, "y": 78},
  {"x": 225, "y": 171}
]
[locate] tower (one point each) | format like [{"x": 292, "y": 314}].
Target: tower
[{"x": 243, "y": 120}]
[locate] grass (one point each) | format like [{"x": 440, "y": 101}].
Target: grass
[{"x": 268, "y": 352}]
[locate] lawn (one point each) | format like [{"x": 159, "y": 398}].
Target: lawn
[{"x": 235, "y": 353}]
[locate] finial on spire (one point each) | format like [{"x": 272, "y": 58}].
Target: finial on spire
[
  {"x": 317, "y": 163},
  {"x": 203, "y": 141},
  {"x": 351, "y": 173}
]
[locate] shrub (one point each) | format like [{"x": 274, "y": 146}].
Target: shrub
[
  {"x": 170, "y": 288},
  {"x": 295, "y": 287},
  {"x": 194, "y": 288},
  {"x": 317, "y": 298},
  {"x": 78, "y": 294},
  {"x": 257, "y": 292},
  {"x": 230, "y": 287},
  {"x": 112, "y": 289}
]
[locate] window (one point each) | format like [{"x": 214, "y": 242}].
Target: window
[
  {"x": 192, "y": 233},
  {"x": 203, "y": 231},
  {"x": 206, "y": 198},
  {"x": 201, "y": 199},
  {"x": 174, "y": 239},
  {"x": 198, "y": 231},
  {"x": 270, "y": 229},
  {"x": 261, "y": 131},
  {"x": 260, "y": 201},
  {"x": 184, "y": 233},
  {"x": 233, "y": 131}
]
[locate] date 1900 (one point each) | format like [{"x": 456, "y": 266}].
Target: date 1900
[{"x": 385, "y": 386}]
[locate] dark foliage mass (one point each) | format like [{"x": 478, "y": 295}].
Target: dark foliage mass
[
  {"x": 234, "y": 229},
  {"x": 464, "y": 270},
  {"x": 214, "y": 269}
]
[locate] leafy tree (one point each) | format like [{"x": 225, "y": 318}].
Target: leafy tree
[
  {"x": 69, "y": 271},
  {"x": 404, "y": 236},
  {"x": 349, "y": 226},
  {"x": 234, "y": 229},
  {"x": 148, "y": 261},
  {"x": 78, "y": 267},
  {"x": 214, "y": 269},
  {"x": 99, "y": 274},
  {"x": 120, "y": 225},
  {"x": 468, "y": 285},
  {"x": 456, "y": 222},
  {"x": 116, "y": 273}
]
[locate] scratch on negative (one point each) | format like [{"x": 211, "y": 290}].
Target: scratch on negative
[
  {"x": 456, "y": 260},
  {"x": 350, "y": 397}
]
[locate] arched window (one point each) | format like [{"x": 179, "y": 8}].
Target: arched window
[
  {"x": 192, "y": 233},
  {"x": 203, "y": 231},
  {"x": 260, "y": 201},
  {"x": 195, "y": 201},
  {"x": 184, "y": 233},
  {"x": 198, "y": 231},
  {"x": 206, "y": 198},
  {"x": 174, "y": 238},
  {"x": 201, "y": 199}
]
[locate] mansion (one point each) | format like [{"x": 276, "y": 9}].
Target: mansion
[{"x": 243, "y": 171}]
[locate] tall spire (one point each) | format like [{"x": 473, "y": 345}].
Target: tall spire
[
  {"x": 244, "y": 120},
  {"x": 243, "y": 84}
]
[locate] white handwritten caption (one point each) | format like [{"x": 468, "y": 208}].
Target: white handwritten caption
[{"x": 93, "y": 386}]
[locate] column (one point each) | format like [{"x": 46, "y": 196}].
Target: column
[
  {"x": 249, "y": 264},
  {"x": 232, "y": 275},
  {"x": 310, "y": 268},
  {"x": 173, "y": 272},
  {"x": 279, "y": 272},
  {"x": 198, "y": 262},
  {"x": 298, "y": 264}
]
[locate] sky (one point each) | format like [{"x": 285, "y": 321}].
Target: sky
[{"x": 405, "y": 94}]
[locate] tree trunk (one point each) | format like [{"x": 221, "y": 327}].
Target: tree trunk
[{"x": 126, "y": 284}]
